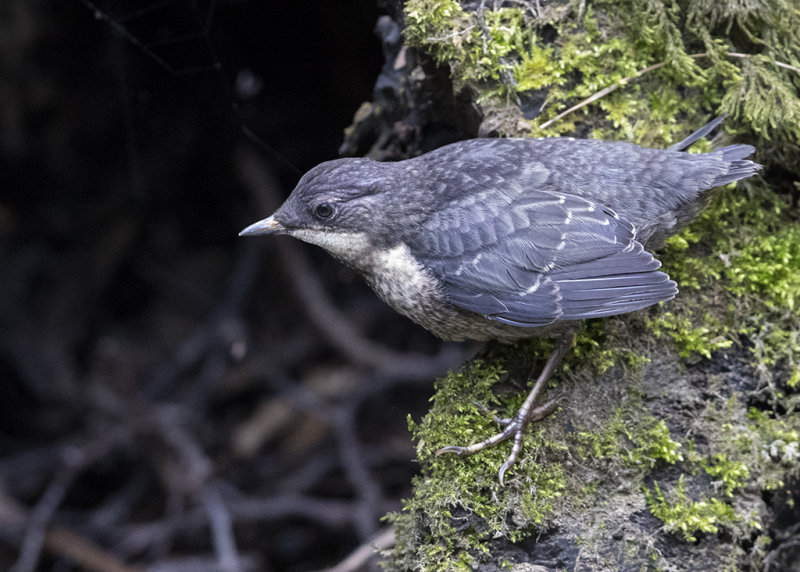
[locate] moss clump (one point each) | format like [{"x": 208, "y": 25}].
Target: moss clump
[
  {"x": 474, "y": 45},
  {"x": 685, "y": 516},
  {"x": 459, "y": 501},
  {"x": 741, "y": 259},
  {"x": 752, "y": 448},
  {"x": 693, "y": 63},
  {"x": 601, "y": 343},
  {"x": 703, "y": 339},
  {"x": 628, "y": 438},
  {"x": 731, "y": 474}
]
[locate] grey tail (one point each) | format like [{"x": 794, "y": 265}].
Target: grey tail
[
  {"x": 738, "y": 166},
  {"x": 697, "y": 135},
  {"x": 732, "y": 155}
]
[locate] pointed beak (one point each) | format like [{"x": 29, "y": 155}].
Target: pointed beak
[{"x": 266, "y": 226}]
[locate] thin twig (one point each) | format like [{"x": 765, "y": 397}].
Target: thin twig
[
  {"x": 614, "y": 86},
  {"x": 361, "y": 555},
  {"x": 42, "y": 513},
  {"x": 136, "y": 42},
  {"x": 482, "y": 23},
  {"x": 357, "y": 471},
  {"x": 776, "y": 62},
  {"x": 221, "y": 529},
  {"x": 59, "y": 540},
  {"x": 602, "y": 93}
]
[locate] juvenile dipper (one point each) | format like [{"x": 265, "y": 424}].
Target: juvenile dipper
[{"x": 509, "y": 238}]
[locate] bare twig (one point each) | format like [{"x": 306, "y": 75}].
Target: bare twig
[
  {"x": 221, "y": 529},
  {"x": 59, "y": 540},
  {"x": 136, "y": 42},
  {"x": 43, "y": 511},
  {"x": 602, "y": 93},
  {"x": 614, "y": 86},
  {"x": 361, "y": 555},
  {"x": 776, "y": 62},
  {"x": 367, "y": 491}
]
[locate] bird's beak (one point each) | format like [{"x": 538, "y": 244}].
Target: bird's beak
[{"x": 266, "y": 226}]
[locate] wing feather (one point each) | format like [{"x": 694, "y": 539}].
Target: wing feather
[{"x": 538, "y": 257}]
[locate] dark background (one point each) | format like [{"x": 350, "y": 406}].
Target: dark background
[{"x": 169, "y": 392}]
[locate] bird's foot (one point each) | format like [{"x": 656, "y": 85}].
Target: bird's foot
[{"x": 513, "y": 427}]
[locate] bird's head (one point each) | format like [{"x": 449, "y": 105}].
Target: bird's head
[{"x": 346, "y": 206}]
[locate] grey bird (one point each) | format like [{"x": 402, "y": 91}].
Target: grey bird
[{"x": 510, "y": 238}]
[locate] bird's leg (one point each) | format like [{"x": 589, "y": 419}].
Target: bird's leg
[{"x": 525, "y": 414}]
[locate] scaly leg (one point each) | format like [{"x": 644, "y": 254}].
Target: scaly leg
[{"x": 525, "y": 414}]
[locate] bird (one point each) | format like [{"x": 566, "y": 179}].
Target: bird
[{"x": 510, "y": 238}]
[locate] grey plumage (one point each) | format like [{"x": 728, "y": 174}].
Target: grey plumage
[
  {"x": 506, "y": 238},
  {"x": 509, "y": 238}
]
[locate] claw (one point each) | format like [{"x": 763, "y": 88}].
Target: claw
[
  {"x": 452, "y": 449},
  {"x": 503, "y": 470}
]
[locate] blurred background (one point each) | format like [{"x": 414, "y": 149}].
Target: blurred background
[{"x": 173, "y": 397}]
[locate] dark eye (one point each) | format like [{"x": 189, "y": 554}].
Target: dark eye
[{"x": 324, "y": 211}]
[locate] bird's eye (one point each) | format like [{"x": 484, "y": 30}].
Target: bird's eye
[{"x": 324, "y": 211}]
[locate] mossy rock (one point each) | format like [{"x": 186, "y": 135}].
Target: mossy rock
[{"x": 677, "y": 442}]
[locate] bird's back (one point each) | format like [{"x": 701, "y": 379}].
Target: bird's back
[{"x": 658, "y": 190}]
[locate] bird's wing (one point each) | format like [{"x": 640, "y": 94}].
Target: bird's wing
[{"x": 537, "y": 257}]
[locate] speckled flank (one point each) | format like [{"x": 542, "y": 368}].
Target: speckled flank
[{"x": 400, "y": 281}]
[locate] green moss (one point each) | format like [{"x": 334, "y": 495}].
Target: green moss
[
  {"x": 599, "y": 343},
  {"x": 686, "y": 517},
  {"x": 773, "y": 442},
  {"x": 629, "y": 438},
  {"x": 537, "y": 69},
  {"x": 757, "y": 450},
  {"x": 495, "y": 52},
  {"x": 655, "y": 444},
  {"x": 703, "y": 339},
  {"x": 742, "y": 259},
  {"x": 474, "y": 45},
  {"x": 770, "y": 268},
  {"x": 460, "y": 500},
  {"x": 732, "y": 474}
]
